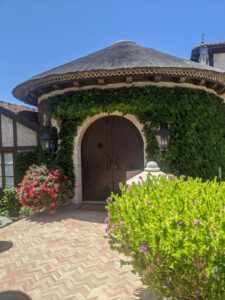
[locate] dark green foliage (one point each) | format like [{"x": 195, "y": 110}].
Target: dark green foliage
[
  {"x": 64, "y": 156},
  {"x": 27, "y": 158},
  {"x": 23, "y": 161},
  {"x": 9, "y": 206},
  {"x": 196, "y": 119}
]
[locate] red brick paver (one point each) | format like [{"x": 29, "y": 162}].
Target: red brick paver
[{"x": 64, "y": 256}]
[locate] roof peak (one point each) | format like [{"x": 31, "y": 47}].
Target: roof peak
[{"x": 124, "y": 41}]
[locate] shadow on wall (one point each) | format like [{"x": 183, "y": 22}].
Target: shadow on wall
[
  {"x": 29, "y": 115},
  {"x": 13, "y": 295}
]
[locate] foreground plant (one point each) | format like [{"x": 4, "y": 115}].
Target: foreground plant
[
  {"x": 44, "y": 189},
  {"x": 9, "y": 205},
  {"x": 173, "y": 232}
]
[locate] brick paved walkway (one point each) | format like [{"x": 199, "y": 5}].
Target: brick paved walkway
[{"x": 64, "y": 256}]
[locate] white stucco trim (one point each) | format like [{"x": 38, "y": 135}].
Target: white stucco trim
[{"x": 77, "y": 147}]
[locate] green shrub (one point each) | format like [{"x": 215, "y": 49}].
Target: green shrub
[
  {"x": 9, "y": 206},
  {"x": 25, "y": 212},
  {"x": 173, "y": 231}
]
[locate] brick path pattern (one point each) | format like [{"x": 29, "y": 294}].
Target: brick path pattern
[{"x": 64, "y": 256}]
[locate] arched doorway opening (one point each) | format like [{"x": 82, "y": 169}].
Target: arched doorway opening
[{"x": 111, "y": 149}]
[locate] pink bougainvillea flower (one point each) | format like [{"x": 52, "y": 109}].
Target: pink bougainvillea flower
[
  {"x": 144, "y": 248},
  {"x": 41, "y": 187},
  {"x": 196, "y": 222},
  {"x": 108, "y": 199}
]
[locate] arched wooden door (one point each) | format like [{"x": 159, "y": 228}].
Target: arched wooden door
[{"x": 110, "y": 148}]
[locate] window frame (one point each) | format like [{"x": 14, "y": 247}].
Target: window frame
[
  {"x": 3, "y": 164},
  {"x": 4, "y": 167},
  {"x": 13, "y": 149}
]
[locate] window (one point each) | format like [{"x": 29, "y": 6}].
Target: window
[
  {"x": 9, "y": 172},
  {"x": 6, "y": 170}
]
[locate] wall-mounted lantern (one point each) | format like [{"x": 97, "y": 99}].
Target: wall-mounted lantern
[
  {"x": 163, "y": 136},
  {"x": 49, "y": 139}
]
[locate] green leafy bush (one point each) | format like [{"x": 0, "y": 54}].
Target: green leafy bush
[
  {"x": 42, "y": 188},
  {"x": 9, "y": 206},
  {"x": 25, "y": 211},
  {"x": 173, "y": 231}
]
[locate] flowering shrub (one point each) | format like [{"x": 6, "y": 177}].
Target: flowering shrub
[
  {"x": 42, "y": 188},
  {"x": 173, "y": 231}
]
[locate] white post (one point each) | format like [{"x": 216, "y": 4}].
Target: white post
[{"x": 151, "y": 167}]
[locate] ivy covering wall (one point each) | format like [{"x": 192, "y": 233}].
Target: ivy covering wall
[{"x": 196, "y": 119}]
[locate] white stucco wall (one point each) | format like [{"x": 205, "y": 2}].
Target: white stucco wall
[
  {"x": 7, "y": 131},
  {"x": 25, "y": 136},
  {"x": 56, "y": 123},
  {"x": 219, "y": 60}
]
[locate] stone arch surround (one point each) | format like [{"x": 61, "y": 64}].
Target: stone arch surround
[{"x": 77, "y": 147}]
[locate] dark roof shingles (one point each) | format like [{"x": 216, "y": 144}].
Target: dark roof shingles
[
  {"x": 22, "y": 113},
  {"x": 124, "y": 55}
]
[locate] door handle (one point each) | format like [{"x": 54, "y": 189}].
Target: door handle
[
  {"x": 117, "y": 162},
  {"x": 108, "y": 162}
]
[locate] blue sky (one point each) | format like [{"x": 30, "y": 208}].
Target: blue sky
[{"x": 36, "y": 35}]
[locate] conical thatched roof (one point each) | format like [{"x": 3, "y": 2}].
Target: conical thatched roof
[{"x": 121, "y": 59}]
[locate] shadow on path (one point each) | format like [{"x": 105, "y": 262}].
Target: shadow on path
[
  {"x": 4, "y": 246},
  {"x": 89, "y": 213},
  {"x": 146, "y": 294},
  {"x": 13, "y": 295}
]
